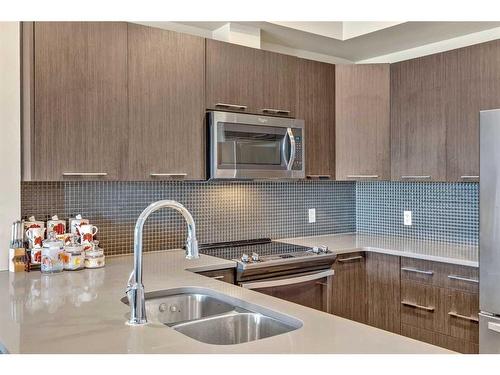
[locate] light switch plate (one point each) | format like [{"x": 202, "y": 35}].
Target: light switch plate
[
  {"x": 312, "y": 215},
  {"x": 407, "y": 219}
]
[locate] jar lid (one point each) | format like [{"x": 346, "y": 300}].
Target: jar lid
[
  {"x": 55, "y": 217},
  {"x": 73, "y": 248},
  {"x": 52, "y": 241},
  {"x": 94, "y": 253}
]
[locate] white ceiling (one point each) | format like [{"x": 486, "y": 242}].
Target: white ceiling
[{"x": 356, "y": 41}]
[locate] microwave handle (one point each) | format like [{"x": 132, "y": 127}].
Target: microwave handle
[
  {"x": 293, "y": 148},
  {"x": 290, "y": 281}
]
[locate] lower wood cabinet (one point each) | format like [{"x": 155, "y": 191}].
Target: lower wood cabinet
[
  {"x": 349, "y": 287},
  {"x": 383, "y": 291}
]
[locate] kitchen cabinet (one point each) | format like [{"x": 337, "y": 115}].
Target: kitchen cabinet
[
  {"x": 166, "y": 104},
  {"x": 440, "y": 304},
  {"x": 227, "y": 275},
  {"x": 418, "y": 126},
  {"x": 74, "y": 109},
  {"x": 246, "y": 79},
  {"x": 316, "y": 106},
  {"x": 362, "y": 120},
  {"x": 349, "y": 287},
  {"x": 383, "y": 291}
]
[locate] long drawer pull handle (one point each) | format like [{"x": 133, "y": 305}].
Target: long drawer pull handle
[
  {"x": 411, "y": 304},
  {"x": 409, "y": 269},
  {"x": 233, "y": 106},
  {"x": 343, "y": 260},
  {"x": 456, "y": 277},
  {"x": 319, "y": 176},
  {"x": 220, "y": 277},
  {"x": 469, "y": 177},
  {"x": 459, "y": 316},
  {"x": 275, "y": 111},
  {"x": 416, "y": 177},
  {"x": 179, "y": 175},
  {"x": 320, "y": 283},
  {"x": 85, "y": 174},
  {"x": 362, "y": 176}
]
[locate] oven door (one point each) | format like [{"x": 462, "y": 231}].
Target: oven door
[
  {"x": 313, "y": 290},
  {"x": 249, "y": 146}
]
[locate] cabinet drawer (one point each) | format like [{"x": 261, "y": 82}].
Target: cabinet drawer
[
  {"x": 226, "y": 275},
  {"x": 423, "y": 306},
  {"x": 440, "y": 274},
  {"x": 463, "y": 319},
  {"x": 434, "y": 338}
]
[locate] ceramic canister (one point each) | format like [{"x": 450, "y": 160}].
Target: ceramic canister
[
  {"x": 31, "y": 223},
  {"x": 56, "y": 225}
]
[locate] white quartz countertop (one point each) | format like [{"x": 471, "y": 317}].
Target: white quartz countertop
[
  {"x": 466, "y": 255},
  {"x": 81, "y": 312}
]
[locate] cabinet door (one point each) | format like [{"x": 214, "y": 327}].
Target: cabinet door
[
  {"x": 463, "y": 319},
  {"x": 249, "y": 79},
  {"x": 383, "y": 291},
  {"x": 166, "y": 104},
  {"x": 233, "y": 76},
  {"x": 316, "y": 106},
  {"x": 362, "y": 112},
  {"x": 418, "y": 127},
  {"x": 80, "y": 100},
  {"x": 349, "y": 287}
]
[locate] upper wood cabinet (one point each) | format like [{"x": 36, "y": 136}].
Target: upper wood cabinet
[
  {"x": 249, "y": 78},
  {"x": 362, "y": 112},
  {"x": 166, "y": 104},
  {"x": 74, "y": 100},
  {"x": 316, "y": 106},
  {"x": 418, "y": 127}
]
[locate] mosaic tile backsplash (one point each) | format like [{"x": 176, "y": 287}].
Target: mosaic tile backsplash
[
  {"x": 440, "y": 211},
  {"x": 223, "y": 211}
]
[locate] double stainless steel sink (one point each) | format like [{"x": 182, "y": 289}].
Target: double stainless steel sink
[{"x": 215, "y": 318}]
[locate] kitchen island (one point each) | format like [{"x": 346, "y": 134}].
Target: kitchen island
[{"x": 81, "y": 312}]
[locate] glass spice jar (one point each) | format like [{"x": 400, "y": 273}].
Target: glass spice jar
[
  {"x": 74, "y": 256},
  {"x": 94, "y": 258},
  {"x": 52, "y": 255}
]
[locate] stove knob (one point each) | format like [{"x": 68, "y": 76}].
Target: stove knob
[
  {"x": 255, "y": 257},
  {"x": 323, "y": 249},
  {"x": 315, "y": 250},
  {"x": 245, "y": 258}
]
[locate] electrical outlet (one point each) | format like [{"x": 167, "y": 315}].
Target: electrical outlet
[
  {"x": 312, "y": 215},
  {"x": 407, "y": 218}
]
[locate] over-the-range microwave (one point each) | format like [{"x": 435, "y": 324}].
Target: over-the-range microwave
[{"x": 246, "y": 146}]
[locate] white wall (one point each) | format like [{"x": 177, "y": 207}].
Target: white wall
[{"x": 10, "y": 137}]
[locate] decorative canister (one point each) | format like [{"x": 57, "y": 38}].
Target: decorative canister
[
  {"x": 52, "y": 255},
  {"x": 56, "y": 225},
  {"x": 94, "y": 258},
  {"x": 31, "y": 223},
  {"x": 75, "y": 222},
  {"x": 74, "y": 256}
]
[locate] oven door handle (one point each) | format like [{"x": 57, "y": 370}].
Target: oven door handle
[
  {"x": 290, "y": 281},
  {"x": 293, "y": 149}
]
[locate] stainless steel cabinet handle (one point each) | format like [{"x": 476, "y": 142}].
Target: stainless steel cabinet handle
[
  {"x": 494, "y": 326},
  {"x": 320, "y": 283},
  {"x": 85, "y": 174},
  {"x": 350, "y": 259},
  {"x": 284, "y": 282},
  {"x": 320, "y": 176},
  {"x": 178, "y": 175},
  {"x": 469, "y": 177},
  {"x": 459, "y": 316},
  {"x": 417, "y": 306},
  {"x": 416, "y": 177},
  {"x": 276, "y": 111},
  {"x": 409, "y": 269},
  {"x": 233, "y": 106},
  {"x": 362, "y": 176},
  {"x": 220, "y": 277},
  {"x": 455, "y": 277}
]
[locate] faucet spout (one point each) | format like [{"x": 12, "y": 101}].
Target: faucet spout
[{"x": 135, "y": 288}]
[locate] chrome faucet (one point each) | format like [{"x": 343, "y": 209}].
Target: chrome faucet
[{"x": 135, "y": 288}]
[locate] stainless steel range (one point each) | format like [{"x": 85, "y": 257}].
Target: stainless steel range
[{"x": 296, "y": 273}]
